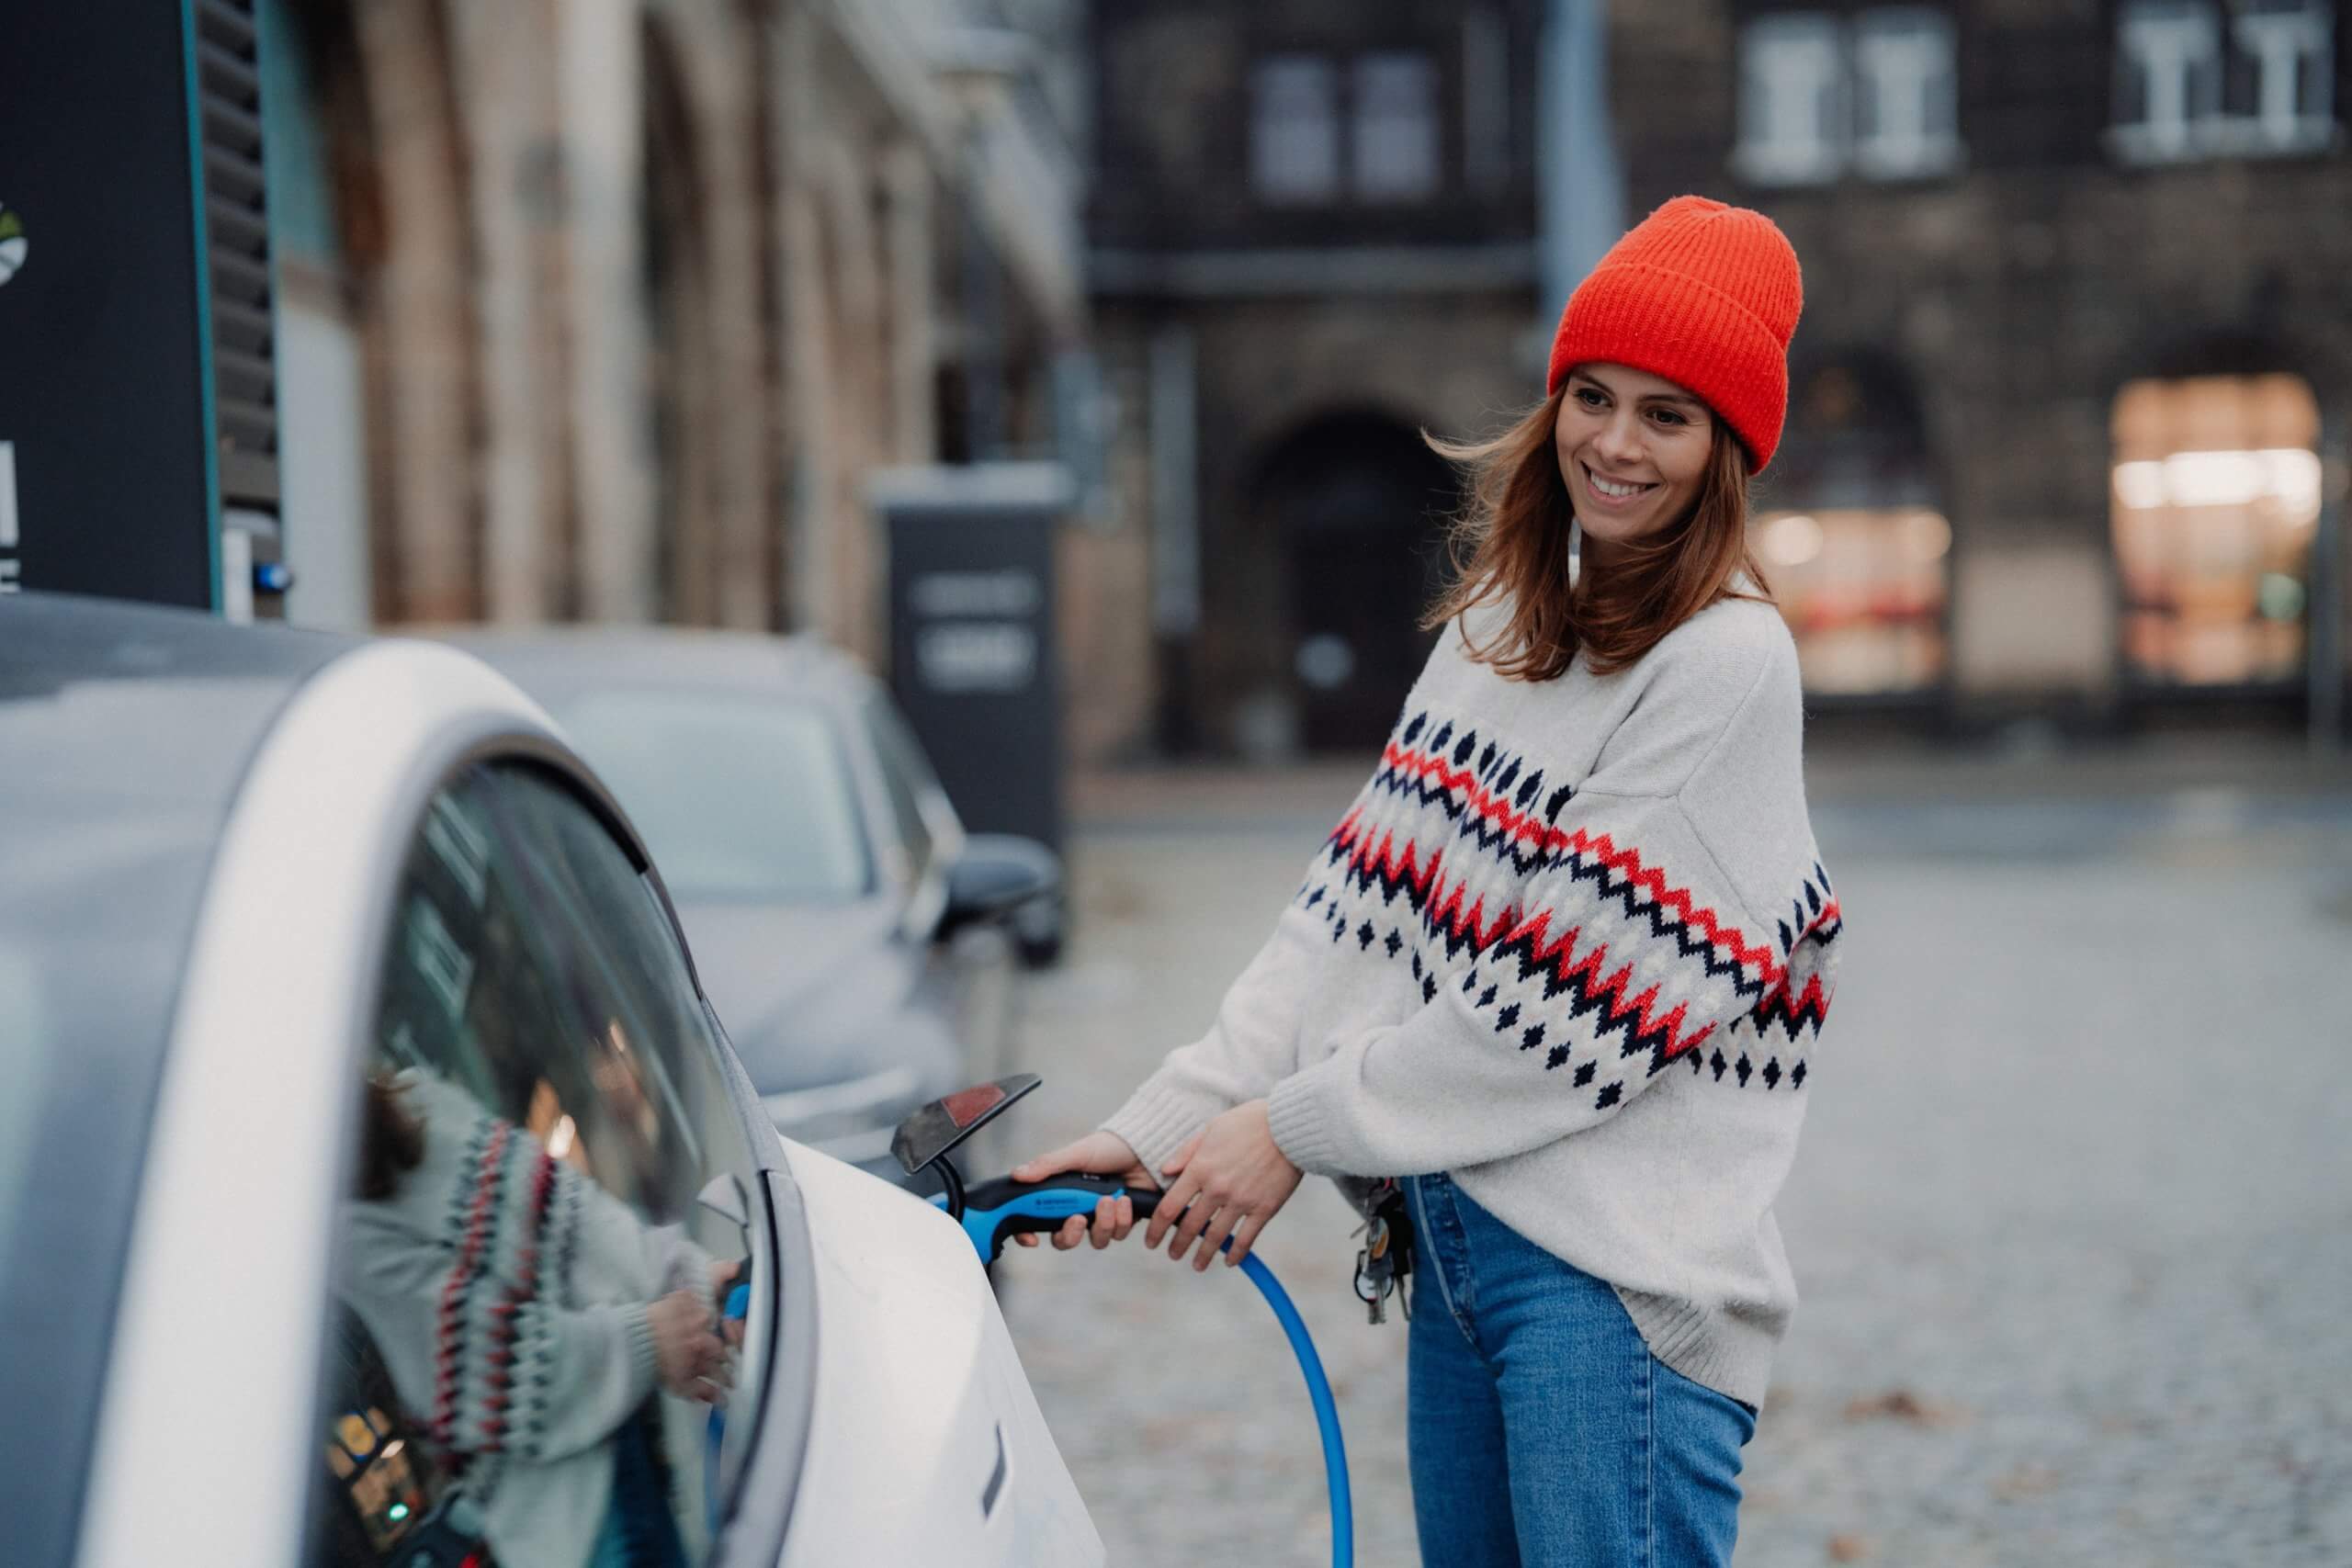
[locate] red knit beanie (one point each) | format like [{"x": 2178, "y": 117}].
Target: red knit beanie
[{"x": 1704, "y": 295}]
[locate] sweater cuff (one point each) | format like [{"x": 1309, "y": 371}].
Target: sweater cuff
[
  {"x": 1159, "y": 1116},
  {"x": 1303, "y": 1126},
  {"x": 636, "y": 1334}
]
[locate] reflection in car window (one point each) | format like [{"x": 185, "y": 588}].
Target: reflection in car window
[
  {"x": 524, "y": 1345},
  {"x": 906, "y": 775},
  {"x": 738, "y": 798}
]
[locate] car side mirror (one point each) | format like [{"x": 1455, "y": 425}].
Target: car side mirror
[{"x": 996, "y": 874}]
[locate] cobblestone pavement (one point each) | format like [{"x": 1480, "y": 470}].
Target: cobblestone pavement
[{"x": 2073, "y": 1219}]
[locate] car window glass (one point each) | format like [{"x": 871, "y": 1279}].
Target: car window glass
[
  {"x": 740, "y": 798},
  {"x": 544, "y": 1113},
  {"x": 906, "y": 774}
]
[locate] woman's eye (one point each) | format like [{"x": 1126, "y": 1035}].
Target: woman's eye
[
  {"x": 1591, "y": 399},
  {"x": 1667, "y": 416}
]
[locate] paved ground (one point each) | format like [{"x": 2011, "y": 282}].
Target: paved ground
[{"x": 2073, "y": 1219}]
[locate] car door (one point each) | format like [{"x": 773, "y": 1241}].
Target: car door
[
  {"x": 971, "y": 976},
  {"x": 551, "y": 1149}
]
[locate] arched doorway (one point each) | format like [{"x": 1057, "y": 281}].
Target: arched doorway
[
  {"x": 1355, "y": 503},
  {"x": 1853, "y": 536},
  {"x": 2215, "y": 504}
]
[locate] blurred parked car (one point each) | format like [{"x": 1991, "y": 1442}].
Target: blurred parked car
[
  {"x": 852, "y": 935},
  {"x": 295, "y": 931}
]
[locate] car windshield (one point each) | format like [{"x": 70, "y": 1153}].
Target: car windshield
[{"x": 740, "y": 798}]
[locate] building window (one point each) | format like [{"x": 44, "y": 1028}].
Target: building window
[
  {"x": 2215, "y": 500},
  {"x": 1820, "y": 97},
  {"x": 1395, "y": 151},
  {"x": 1295, "y": 129},
  {"x": 1906, "y": 120},
  {"x": 2189, "y": 86},
  {"x": 1792, "y": 101}
]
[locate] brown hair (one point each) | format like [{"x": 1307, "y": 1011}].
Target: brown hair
[
  {"x": 1511, "y": 547},
  {"x": 392, "y": 1141}
]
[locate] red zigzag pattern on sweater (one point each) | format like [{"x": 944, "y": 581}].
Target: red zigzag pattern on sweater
[{"x": 1597, "y": 856}]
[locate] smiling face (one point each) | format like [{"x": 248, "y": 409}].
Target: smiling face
[{"x": 1633, "y": 450}]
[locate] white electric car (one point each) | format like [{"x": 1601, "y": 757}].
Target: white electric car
[{"x": 255, "y": 887}]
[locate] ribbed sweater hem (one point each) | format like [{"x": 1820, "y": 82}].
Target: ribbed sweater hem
[
  {"x": 1300, "y": 1129},
  {"x": 638, "y": 1330},
  {"x": 1713, "y": 1349},
  {"x": 1159, "y": 1116}
]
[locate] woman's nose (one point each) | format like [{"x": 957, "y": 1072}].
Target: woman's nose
[{"x": 1619, "y": 439}]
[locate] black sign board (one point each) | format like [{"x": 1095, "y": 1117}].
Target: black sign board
[
  {"x": 108, "y": 479},
  {"x": 972, "y": 651}
]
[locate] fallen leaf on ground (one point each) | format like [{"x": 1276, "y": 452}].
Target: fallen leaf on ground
[
  {"x": 1847, "y": 1548},
  {"x": 1901, "y": 1404}
]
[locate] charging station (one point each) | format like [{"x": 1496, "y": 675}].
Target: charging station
[{"x": 138, "y": 419}]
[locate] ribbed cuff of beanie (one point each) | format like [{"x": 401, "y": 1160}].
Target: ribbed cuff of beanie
[{"x": 1694, "y": 334}]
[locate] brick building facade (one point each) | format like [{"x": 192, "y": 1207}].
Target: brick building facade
[
  {"x": 1314, "y": 236},
  {"x": 2070, "y": 400},
  {"x": 608, "y": 310},
  {"x": 2070, "y": 395}
]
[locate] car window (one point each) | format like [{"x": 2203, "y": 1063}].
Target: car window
[
  {"x": 906, "y": 775},
  {"x": 543, "y": 1113},
  {"x": 740, "y": 798}
]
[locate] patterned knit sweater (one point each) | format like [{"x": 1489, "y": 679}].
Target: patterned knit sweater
[
  {"x": 1572, "y": 945},
  {"x": 507, "y": 1293}
]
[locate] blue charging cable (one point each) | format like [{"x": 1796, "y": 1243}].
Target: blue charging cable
[{"x": 995, "y": 1210}]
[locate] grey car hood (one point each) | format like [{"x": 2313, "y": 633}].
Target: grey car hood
[{"x": 815, "y": 993}]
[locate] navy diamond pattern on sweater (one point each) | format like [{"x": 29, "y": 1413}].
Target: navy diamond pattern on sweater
[{"x": 1429, "y": 817}]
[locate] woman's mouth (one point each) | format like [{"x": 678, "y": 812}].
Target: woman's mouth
[{"x": 1614, "y": 491}]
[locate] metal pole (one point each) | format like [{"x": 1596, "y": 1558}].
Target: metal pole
[{"x": 2325, "y": 608}]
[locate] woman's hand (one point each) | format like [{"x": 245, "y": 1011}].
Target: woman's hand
[
  {"x": 724, "y": 1272},
  {"x": 1097, "y": 1154},
  {"x": 1228, "y": 1181},
  {"x": 689, "y": 1358}
]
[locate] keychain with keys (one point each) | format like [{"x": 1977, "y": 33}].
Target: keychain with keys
[{"x": 1386, "y": 1258}]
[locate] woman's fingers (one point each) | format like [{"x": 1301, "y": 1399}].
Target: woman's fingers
[
  {"x": 1188, "y": 1231},
  {"x": 1172, "y": 1208},
  {"x": 1212, "y": 1237},
  {"x": 1245, "y": 1236},
  {"x": 1183, "y": 1155},
  {"x": 1045, "y": 1165}
]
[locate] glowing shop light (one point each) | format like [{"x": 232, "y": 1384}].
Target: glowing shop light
[
  {"x": 1792, "y": 540},
  {"x": 2287, "y": 475}
]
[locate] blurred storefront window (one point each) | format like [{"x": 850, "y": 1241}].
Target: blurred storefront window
[
  {"x": 1863, "y": 590},
  {"x": 2215, "y": 499},
  {"x": 1295, "y": 129},
  {"x": 1853, "y": 536}
]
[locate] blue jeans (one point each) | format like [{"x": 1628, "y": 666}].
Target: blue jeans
[{"x": 1542, "y": 1431}]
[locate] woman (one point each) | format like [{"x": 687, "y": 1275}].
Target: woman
[
  {"x": 526, "y": 1316},
  {"x": 1559, "y": 969}
]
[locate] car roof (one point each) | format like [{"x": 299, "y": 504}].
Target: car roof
[
  {"x": 117, "y": 718},
  {"x": 125, "y": 734},
  {"x": 561, "y": 660}
]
